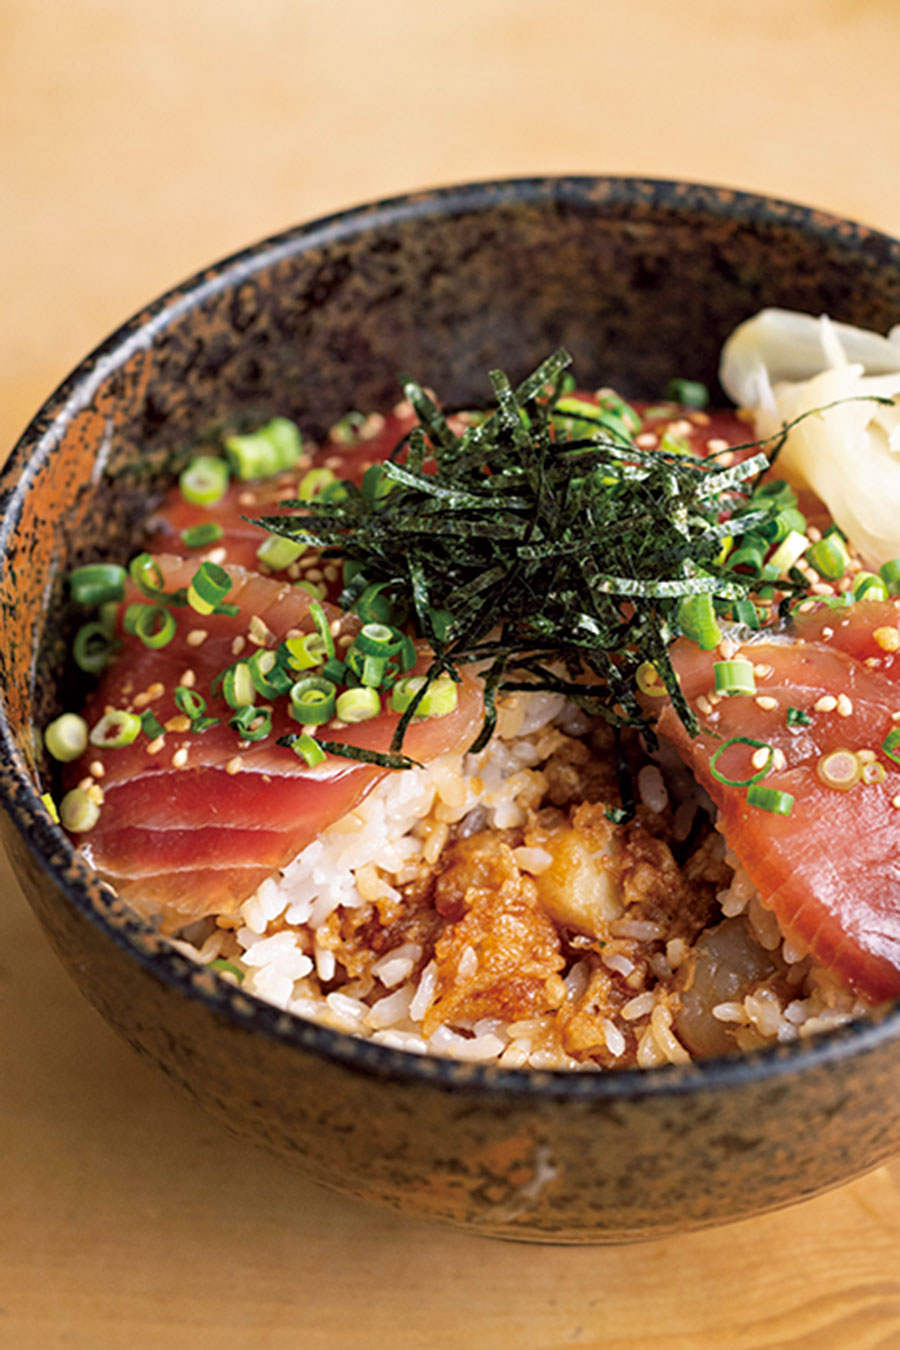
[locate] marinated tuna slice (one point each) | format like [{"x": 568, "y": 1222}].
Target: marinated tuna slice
[
  {"x": 240, "y": 539},
  {"x": 193, "y": 820},
  {"x": 830, "y": 869}
]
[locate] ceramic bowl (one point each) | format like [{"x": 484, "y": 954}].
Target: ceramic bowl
[{"x": 641, "y": 280}]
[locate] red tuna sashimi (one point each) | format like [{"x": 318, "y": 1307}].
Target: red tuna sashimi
[
  {"x": 241, "y": 539},
  {"x": 830, "y": 870},
  {"x": 193, "y": 822}
]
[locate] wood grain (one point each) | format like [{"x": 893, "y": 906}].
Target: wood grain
[{"x": 138, "y": 142}]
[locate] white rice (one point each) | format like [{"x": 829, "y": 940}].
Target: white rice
[{"x": 286, "y": 938}]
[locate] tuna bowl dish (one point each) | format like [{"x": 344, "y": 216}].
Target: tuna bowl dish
[{"x": 523, "y": 728}]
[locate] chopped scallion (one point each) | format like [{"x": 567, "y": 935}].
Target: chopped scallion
[
  {"x": 200, "y": 536},
  {"x": 204, "y": 481},
  {"x": 313, "y": 700},
  {"x": 78, "y": 812},
  {"x": 770, "y": 799},
  {"x": 734, "y": 677},
  {"x": 358, "y": 705},
  {"x": 115, "y": 730},
  {"x": 66, "y": 737},
  {"x": 97, "y": 583},
  {"x": 752, "y": 778}
]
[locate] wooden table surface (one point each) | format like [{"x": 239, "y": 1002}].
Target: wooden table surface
[{"x": 139, "y": 141}]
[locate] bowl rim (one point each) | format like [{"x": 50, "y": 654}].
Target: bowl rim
[{"x": 50, "y": 848}]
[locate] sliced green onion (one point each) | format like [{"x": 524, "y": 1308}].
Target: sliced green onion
[
  {"x": 66, "y": 737},
  {"x": 377, "y": 639},
  {"x": 237, "y": 685},
  {"x": 358, "y": 705},
  {"x": 674, "y": 445},
  {"x": 323, "y": 628},
  {"x": 227, "y": 968},
  {"x": 689, "y": 393},
  {"x": 269, "y": 677},
  {"x": 334, "y": 670},
  {"x": 302, "y": 653},
  {"x": 839, "y": 769},
  {"x": 891, "y": 745},
  {"x": 93, "y": 647},
  {"x": 770, "y": 799},
  {"x": 278, "y": 553},
  {"x": 750, "y": 554},
  {"x": 115, "y": 730},
  {"x": 741, "y": 782},
  {"x": 734, "y": 677},
  {"x": 890, "y": 575},
  {"x": 154, "y": 625},
  {"x": 151, "y": 726},
  {"x": 829, "y": 557},
  {"x": 796, "y": 717},
  {"x": 50, "y": 807},
  {"x": 745, "y": 612},
  {"x": 252, "y": 724},
  {"x": 346, "y": 431},
  {"x": 439, "y": 699},
  {"x": 188, "y": 701},
  {"x": 778, "y": 529},
  {"x": 146, "y": 574},
  {"x": 78, "y": 812},
  {"x": 306, "y": 748},
  {"x": 789, "y": 552},
  {"x": 317, "y": 589},
  {"x": 373, "y": 606},
  {"x": 274, "y": 447},
  {"x": 867, "y": 586},
  {"x": 199, "y": 536},
  {"x": 204, "y": 481},
  {"x": 313, "y": 700},
  {"x": 405, "y": 691},
  {"x": 97, "y": 583},
  {"x": 696, "y": 618},
  {"x": 313, "y": 482},
  {"x": 209, "y": 586}
]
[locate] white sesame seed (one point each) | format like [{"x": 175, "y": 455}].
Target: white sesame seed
[
  {"x": 180, "y": 757},
  {"x": 778, "y": 759},
  {"x": 762, "y": 671},
  {"x": 216, "y": 555},
  {"x": 188, "y": 679},
  {"x": 716, "y": 444},
  {"x": 761, "y": 757},
  {"x": 97, "y": 768},
  {"x": 844, "y": 706},
  {"x": 827, "y": 703},
  {"x": 238, "y": 644},
  {"x": 728, "y": 647},
  {"x": 827, "y": 632},
  {"x": 765, "y": 702},
  {"x": 895, "y": 802},
  {"x": 648, "y": 440},
  {"x": 866, "y": 756},
  {"x": 196, "y": 637},
  {"x": 704, "y": 706},
  {"x": 154, "y": 747},
  {"x": 259, "y": 633},
  {"x": 95, "y": 792},
  {"x": 234, "y": 765}
]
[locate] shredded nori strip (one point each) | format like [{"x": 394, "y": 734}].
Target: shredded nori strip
[{"x": 578, "y": 549}]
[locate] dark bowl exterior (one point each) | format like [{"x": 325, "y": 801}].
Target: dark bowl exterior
[{"x": 641, "y": 280}]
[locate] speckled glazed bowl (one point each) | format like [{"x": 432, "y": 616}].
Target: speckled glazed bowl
[{"x": 641, "y": 280}]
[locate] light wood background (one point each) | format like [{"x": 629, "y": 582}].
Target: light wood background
[{"x": 139, "y": 141}]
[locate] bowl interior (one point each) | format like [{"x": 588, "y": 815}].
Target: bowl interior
[{"x": 640, "y": 280}]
